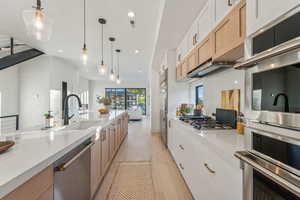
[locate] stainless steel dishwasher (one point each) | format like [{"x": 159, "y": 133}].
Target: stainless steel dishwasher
[{"x": 72, "y": 174}]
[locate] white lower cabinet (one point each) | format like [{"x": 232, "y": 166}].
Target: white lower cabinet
[{"x": 206, "y": 173}]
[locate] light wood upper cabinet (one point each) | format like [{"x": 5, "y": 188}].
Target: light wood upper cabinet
[
  {"x": 204, "y": 50},
  {"x": 229, "y": 35},
  {"x": 262, "y": 12},
  {"x": 184, "y": 68},
  {"x": 192, "y": 61},
  {"x": 178, "y": 72}
]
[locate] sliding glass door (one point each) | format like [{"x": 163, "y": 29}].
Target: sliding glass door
[
  {"x": 136, "y": 99},
  {"x": 127, "y": 98},
  {"x": 117, "y": 96}
]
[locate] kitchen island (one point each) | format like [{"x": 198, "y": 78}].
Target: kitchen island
[
  {"x": 37, "y": 150},
  {"x": 206, "y": 160}
]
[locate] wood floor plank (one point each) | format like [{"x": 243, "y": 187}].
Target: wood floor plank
[{"x": 142, "y": 146}]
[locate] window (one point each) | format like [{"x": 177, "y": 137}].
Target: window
[
  {"x": 127, "y": 98},
  {"x": 199, "y": 95}
]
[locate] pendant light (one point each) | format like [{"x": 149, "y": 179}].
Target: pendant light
[
  {"x": 84, "y": 56},
  {"x": 118, "y": 80},
  {"x": 38, "y": 25},
  {"x": 112, "y": 73},
  {"x": 102, "y": 67}
]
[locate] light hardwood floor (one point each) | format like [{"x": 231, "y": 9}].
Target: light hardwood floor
[{"x": 142, "y": 146}]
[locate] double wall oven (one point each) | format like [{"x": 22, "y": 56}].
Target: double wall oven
[{"x": 271, "y": 160}]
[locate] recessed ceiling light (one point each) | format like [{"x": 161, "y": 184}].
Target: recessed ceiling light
[
  {"x": 140, "y": 71},
  {"x": 131, "y": 14},
  {"x": 137, "y": 51},
  {"x": 60, "y": 51}
]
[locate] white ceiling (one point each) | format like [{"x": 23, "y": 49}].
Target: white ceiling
[
  {"x": 178, "y": 16},
  {"x": 68, "y": 31}
]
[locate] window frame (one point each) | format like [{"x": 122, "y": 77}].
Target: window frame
[{"x": 197, "y": 93}]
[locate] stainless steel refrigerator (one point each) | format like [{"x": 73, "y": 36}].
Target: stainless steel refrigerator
[{"x": 164, "y": 106}]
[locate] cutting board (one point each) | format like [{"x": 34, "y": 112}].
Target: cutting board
[{"x": 230, "y": 99}]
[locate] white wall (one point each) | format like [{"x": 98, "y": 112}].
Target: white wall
[
  {"x": 178, "y": 93},
  {"x": 155, "y": 102},
  {"x": 97, "y": 88},
  {"x": 10, "y": 91},
  {"x": 34, "y": 84},
  {"x": 213, "y": 86},
  {"x": 26, "y": 87}
]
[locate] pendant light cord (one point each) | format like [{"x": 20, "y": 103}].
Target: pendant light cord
[
  {"x": 102, "y": 62},
  {"x": 84, "y": 23}
]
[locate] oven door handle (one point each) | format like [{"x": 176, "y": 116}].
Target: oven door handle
[{"x": 282, "y": 177}]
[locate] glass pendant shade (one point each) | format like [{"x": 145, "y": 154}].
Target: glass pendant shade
[
  {"x": 38, "y": 25},
  {"x": 102, "y": 68},
  {"x": 84, "y": 56},
  {"x": 112, "y": 76},
  {"x": 118, "y": 80}
]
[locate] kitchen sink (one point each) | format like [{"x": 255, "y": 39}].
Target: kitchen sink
[{"x": 81, "y": 125}]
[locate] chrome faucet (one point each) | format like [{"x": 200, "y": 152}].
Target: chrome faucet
[
  {"x": 286, "y": 101},
  {"x": 66, "y": 108}
]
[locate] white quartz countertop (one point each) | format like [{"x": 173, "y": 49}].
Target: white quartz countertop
[
  {"x": 224, "y": 143},
  {"x": 35, "y": 150}
]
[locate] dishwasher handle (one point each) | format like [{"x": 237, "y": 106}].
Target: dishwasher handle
[{"x": 64, "y": 166}]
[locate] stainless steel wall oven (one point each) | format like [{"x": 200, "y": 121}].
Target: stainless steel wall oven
[{"x": 271, "y": 165}]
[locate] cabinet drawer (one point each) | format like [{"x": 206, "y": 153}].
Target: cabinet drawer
[
  {"x": 34, "y": 188},
  {"x": 218, "y": 171}
]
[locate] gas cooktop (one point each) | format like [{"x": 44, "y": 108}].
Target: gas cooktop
[{"x": 205, "y": 123}]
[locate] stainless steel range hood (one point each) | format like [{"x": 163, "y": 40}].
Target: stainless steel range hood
[
  {"x": 209, "y": 68},
  {"x": 270, "y": 53}
]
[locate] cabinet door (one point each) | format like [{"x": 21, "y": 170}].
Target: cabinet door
[
  {"x": 192, "y": 36},
  {"x": 224, "y": 36},
  {"x": 263, "y": 12},
  {"x": 104, "y": 151},
  {"x": 111, "y": 142},
  {"x": 205, "y": 21},
  {"x": 199, "y": 180},
  {"x": 95, "y": 166},
  {"x": 48, "y": 195},
  {"x": 229, "y": 35},
  {"x": 184, "y": 68},
  {"x": 204, "y": 50},
  {"x": 192, "y": 61},
  {"x": 178, "y": 72},
  {"x": 222, "y": 8}
]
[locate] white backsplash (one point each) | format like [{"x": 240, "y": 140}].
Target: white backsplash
[{"x": 214, "y": 84}]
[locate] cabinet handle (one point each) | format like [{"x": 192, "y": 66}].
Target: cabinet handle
[
  {"x": 169, "y": 123},
  {"x": 209, "y": 169},
  {"x": 181, "y": 166},
  {"x": 181, "y": 147},
  {"x": 229, "y": 3}
]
